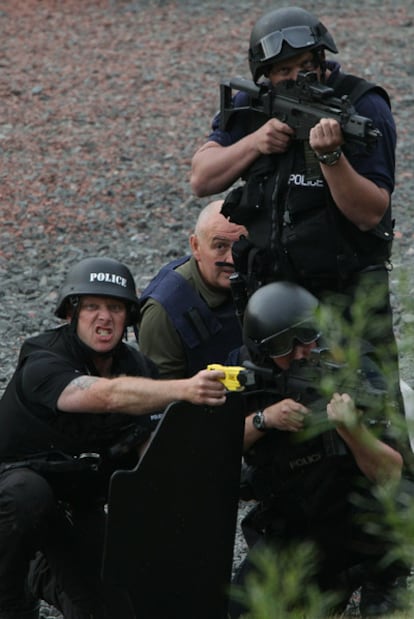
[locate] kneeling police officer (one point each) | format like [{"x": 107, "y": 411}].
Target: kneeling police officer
[
  {"x": 303, "y": 481},
  {"x": 75, "y": 410}
]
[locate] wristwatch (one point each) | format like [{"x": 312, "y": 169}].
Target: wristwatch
[
  {"x": 259, "y": 421},
  {"x": 329, "y": 158}
]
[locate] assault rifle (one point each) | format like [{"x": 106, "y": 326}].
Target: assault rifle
[
  {"x": 312, "y": 382},
  {"x": 301, "y": 104},
  {"x": 316, "y": 379}
]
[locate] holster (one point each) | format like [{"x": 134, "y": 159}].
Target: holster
[{"x": 56, "y": 463}]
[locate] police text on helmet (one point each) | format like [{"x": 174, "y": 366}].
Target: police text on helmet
[{"x": 111, "y": 278}]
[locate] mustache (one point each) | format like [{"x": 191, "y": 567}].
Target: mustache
[{"x": 230, "y": 265}]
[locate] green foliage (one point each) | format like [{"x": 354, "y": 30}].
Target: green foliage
[
  {"x": 282, "y": 588},
  {"x": 398, "y": 504}
]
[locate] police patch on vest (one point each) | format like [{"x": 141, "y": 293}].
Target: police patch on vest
[{"x": 307, "y": 460}]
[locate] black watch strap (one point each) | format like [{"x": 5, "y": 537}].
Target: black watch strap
[{"x": 329, "y": 158}]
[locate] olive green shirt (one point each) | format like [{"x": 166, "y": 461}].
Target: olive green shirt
[{"x": 158, "y": 338}]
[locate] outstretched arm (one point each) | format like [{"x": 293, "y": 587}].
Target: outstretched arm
[{"x": 137, "y": 395}]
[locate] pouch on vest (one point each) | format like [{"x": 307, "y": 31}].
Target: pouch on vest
[
  {"x": 313, "y": 248},
  {"x": 244, "y": 204}
]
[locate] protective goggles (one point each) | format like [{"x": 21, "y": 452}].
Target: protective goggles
[
  {"x": 283, "y": 343},
  {"x": 295, "y": 36}
]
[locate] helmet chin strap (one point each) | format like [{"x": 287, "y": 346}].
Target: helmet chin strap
[
  {"x": 319, "y": 56},
  {"x": 135, "y": 329},
  {"x": 74, "y": 303}
]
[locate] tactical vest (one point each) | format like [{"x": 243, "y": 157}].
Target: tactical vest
[
  {"x": 281, "y": 462},
  {"x": 294, "y": 225},
  {"x": 280, "y": 459},
  {"x": 207, "y": 334}
]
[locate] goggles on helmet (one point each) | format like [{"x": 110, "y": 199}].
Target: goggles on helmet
[
  {"x": 295, "y": 36},
  {"x": 283, "y": 343}
]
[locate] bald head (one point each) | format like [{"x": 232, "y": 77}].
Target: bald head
[
  {"x": 210, "y": 214},
  {"x": 211, "y": 244}
]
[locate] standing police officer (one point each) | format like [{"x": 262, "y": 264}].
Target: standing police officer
[
  {"x": 74, "y": 411},
  {"x": 318, "y": 210},
  {"x": 305, "y": 476}
]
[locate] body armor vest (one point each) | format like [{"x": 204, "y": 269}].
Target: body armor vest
[
  {"x": 207, "y": 334},
  {"x": 294, "y": 225}
]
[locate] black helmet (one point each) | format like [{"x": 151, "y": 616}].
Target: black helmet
[
  {"x": 276, "y": 315},
  {"x": 283, "y": 33},
  {"x": 99, "y": 276}
]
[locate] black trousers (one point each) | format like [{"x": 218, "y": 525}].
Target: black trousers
[
  {"x": 347, "y": 553},
  {"x": 51, "y": 552}
]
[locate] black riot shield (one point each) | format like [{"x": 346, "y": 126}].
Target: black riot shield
[{"x": 172, "y": 520}]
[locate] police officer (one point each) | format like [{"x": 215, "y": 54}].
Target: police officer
[
  {"x": 76, "y": 409},
  {"x": 188, "y": 318},
  {"x": 303, "y": 477},
  {"x": 318, "y": 210}
]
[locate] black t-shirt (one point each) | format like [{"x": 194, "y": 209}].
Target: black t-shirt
[{"x": 30, "y": 420}]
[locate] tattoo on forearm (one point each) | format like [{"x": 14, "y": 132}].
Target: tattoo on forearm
[{"x": 84, "y": 382}]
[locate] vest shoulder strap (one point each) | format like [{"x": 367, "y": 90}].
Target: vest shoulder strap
[{"x": 355, "y": 87}]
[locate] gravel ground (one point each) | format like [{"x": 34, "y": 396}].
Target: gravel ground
[{"x": 103, "y": 104}]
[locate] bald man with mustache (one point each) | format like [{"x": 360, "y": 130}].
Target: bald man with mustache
[{"x": 188, "y": 317}]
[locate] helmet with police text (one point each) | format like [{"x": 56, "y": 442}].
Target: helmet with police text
[
  {"x": 277, "y": 317},
  {"x": 282, "y": 33},
  {"x": 103, "y": 277}
]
